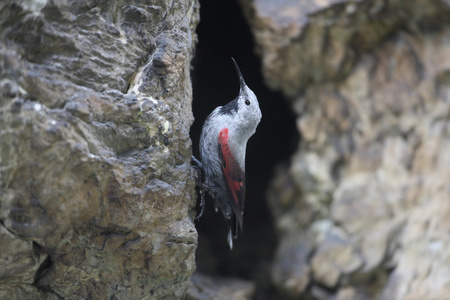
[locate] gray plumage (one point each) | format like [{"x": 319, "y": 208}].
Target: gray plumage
[{"x": 223, "y": 143}]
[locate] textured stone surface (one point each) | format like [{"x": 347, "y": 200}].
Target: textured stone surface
[
  {"x": 291, "y": 271},
  {"x": 96, "y": 188},
  {"x": 368, "y": 191},
  {"x": 335, "y": 256},
  {"x": 203, "y": 287}
]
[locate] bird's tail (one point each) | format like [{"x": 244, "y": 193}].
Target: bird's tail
[
  {"x": 231, "y": 219},
  {"x": 230, "y": 240},
  {"x": 233, "y": 228}
]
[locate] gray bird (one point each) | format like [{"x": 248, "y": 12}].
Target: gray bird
[{"x": 223, "y": 143}]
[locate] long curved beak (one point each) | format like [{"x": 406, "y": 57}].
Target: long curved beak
[{"x": 241, "y": 78}]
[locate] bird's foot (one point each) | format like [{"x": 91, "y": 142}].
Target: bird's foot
[
  {"x": 198, "y": 164},
  {"x": 202, "y": 202},
  {"x": 201, "y": 185}
]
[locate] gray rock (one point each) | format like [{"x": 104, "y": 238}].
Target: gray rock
[
  {"x": 204, "y": 287},
  {"x": 291, "y": 270},
  {"x": 335, "y": 256},
  {"x": 96, "y": 188},
  {"x": 369, "y": 82}
]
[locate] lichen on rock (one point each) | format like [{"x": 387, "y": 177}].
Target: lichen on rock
[{"x": 96, "y": 187}]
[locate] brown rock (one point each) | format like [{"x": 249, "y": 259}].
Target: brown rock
[
  {"x": 334, "y": 257},
  {"x": 203, "y": 287},
  {"x": 291, "y": 271},
  {"x": 357, "y": 194},
  {"x": 369, "y": 82},
  {"x": 96, "y": 189},
  {"x": 347, "y": 293}
]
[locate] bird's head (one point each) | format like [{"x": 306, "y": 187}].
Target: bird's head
[{"x": 248, "y": 113}]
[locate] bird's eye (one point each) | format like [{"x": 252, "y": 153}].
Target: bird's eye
[{"x": 247, "y": 102}]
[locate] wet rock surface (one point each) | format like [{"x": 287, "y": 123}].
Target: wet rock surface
[
  {"x": 96, "y": 188},
  {"x": 362, "y": 211}
]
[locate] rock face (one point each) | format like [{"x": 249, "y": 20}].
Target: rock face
[
  {"x": 209, "y": 288},
  {"x": 363, "y": 210},
  {"x": 96, "y": 188}
]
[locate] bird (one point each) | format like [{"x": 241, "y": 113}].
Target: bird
[{"x": 223, "y": 143}]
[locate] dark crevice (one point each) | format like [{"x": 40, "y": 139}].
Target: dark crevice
[
  {"x": 45, "y": 266},
  {"x": 49, "y": 290},
  {"x": 115, "y": 230},
  {"x": 324, "y": 288},
  {"x": 37, "y": 250}
]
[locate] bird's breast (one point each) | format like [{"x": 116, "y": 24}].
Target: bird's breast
[{"x": 236, "y": 143}]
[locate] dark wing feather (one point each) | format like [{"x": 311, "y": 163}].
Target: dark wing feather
[{"x": 234, "y": 176}]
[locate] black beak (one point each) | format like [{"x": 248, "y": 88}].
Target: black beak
[{"x": 241, "y": 78}]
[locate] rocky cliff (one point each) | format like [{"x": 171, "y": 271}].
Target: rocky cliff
[
  {"x": 96, "y": 188},
  {"x": 362, "y": 211}
]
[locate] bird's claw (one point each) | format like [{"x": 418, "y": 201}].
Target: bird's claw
[
  {"x": 202, "y": 202},
  {"x": 199, "y": 166}
]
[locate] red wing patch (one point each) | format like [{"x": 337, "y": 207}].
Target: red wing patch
[{"x": 234, "y": 175}]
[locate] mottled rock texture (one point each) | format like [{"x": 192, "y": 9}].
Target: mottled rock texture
[
  {"x": 363, "y": 209},
  {"x": 96, "y": 188},
  {"x": 209, "y": 288}
]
